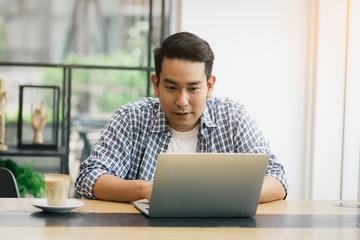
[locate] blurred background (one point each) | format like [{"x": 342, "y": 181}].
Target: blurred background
[{"x": 293, "y": 64}]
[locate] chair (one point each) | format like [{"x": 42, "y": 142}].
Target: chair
[
  {"x": 8, "y": 185},
  {"x": 87, "y": 147}
]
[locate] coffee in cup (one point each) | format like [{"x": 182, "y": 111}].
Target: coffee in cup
[{"x": 57, "y": 189}]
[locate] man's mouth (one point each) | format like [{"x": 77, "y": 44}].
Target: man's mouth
[{"x": 182, "y": 113}]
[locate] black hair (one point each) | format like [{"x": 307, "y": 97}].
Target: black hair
[{"x": 186, "y": 46}]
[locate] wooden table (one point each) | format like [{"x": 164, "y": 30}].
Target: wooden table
[{"x": 275, "y": 220}]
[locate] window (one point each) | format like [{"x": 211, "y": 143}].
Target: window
[{"x": 104, "y": 47}]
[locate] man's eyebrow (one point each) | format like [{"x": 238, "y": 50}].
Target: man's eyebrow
[{"x": 166, "y": 80}]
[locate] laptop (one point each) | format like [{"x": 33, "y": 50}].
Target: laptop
[{"x": 206, "y": 185}]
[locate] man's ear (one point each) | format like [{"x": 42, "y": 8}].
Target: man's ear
[
  {"x": 155, "y": 82},
  {"x": 210, "y": 85}
]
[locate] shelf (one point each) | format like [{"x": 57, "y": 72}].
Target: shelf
[{"x": 14, "y": 151}]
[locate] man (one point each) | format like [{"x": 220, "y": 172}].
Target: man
[{"x": 183, "y": 118}]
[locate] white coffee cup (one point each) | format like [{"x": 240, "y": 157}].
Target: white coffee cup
[{"x": 57, "y": 189}]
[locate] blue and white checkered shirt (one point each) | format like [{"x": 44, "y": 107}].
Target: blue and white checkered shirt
[{"x": 130, "y": 143}]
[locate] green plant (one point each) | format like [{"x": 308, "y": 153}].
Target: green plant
[{"x": 28, "y": 180}]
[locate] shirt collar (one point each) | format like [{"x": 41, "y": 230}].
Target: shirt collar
[
  {"x": 207, "y": 117},
  {"x": 160, "y": 123}
]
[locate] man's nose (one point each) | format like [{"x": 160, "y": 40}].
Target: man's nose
[{"x": 182, "y": 99}]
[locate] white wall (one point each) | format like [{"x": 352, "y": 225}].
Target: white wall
[
  {"x": 351, "y": 153},
  {"x": 329, "y": 100},
  {"x": 295, "y": 65},
  {"x": 336, "y": 142},
  {"x": 261, "y": 51}
]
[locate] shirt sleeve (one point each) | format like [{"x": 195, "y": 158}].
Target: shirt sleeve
[
  {"x": 249, "y": 139},
  {"x": 109, "y": 156}
]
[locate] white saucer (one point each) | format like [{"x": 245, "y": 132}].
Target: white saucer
[{"x": 70, "y": 204}]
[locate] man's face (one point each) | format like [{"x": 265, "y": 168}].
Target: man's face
[{"x": 183, "y": 90}]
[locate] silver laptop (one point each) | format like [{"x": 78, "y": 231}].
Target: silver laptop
[{"x": 206, "y": 185}]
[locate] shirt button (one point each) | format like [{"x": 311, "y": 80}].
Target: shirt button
[{"x": 168, "y": 134}]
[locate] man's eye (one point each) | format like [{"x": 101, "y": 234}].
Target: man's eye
[
  {"x": 171, "y": 88},
  {"x": 194, "y": 89}
]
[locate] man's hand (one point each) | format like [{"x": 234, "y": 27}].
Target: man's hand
[
  {"x": 272, "y": 190},
  {"x": 148, "y": 190},
  {"x": 109, "y": 187}
]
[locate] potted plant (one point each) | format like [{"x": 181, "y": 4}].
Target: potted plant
[{"x": 28, "y": 180}]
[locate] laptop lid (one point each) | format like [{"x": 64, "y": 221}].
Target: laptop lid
[{"x": 206, "y": 185}]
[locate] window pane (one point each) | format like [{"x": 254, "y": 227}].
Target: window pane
[
  {"x": 115, "y": 32},
  {"x": 99, "y": 93}
]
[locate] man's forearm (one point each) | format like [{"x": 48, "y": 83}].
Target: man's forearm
[
  {"x": 272, "y": 190},
  {"x": 109, "y": 187}
]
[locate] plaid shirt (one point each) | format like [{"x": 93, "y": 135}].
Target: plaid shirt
[{"x": 139, "y": 131}]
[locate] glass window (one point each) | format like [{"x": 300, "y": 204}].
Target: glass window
[
  {"x": 104, "y": 46},
  {"x": 115, "y": 32},
  {"x": 108, "y": 33}
]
